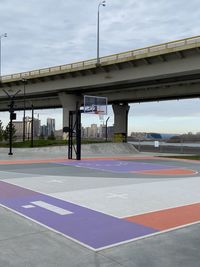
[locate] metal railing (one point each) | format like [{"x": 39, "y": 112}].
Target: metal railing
[{"x": 133, "y": 54}]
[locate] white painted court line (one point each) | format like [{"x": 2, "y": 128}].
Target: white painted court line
[
  {"x": 55, "y": 181},
  {"x": 52, "y": 208},
  {"x": 28, "y": 206},
  {"x": 111, "y": 195}
]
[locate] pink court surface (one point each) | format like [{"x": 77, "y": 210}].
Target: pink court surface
[{"x": 103, "y": 202}]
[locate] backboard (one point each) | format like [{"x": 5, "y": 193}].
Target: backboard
[{"x": 95, "y": 105}]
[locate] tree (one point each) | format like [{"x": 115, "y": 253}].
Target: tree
[
  {"x": 7, "y": 132},
  {"x": 1, "y": 131}
]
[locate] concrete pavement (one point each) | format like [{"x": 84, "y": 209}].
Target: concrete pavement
[{"x": 29, "y": 190}]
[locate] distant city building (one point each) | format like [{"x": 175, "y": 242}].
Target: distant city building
[
  {"x": 139, "y": 135},
  {"x": 100, "y": 131},
  {"x": 97, "y": 132},
  {"x": 43, "y": 130},
  {"x": 154, "y": 136},
  {"x": 19, "y": 128},
  {"x": 50, "y": 126},
  {"x": 59, "y": 134},
  {"x": 93, "y": 132},
  {"x": 150, "y": 136},
  {"x": 36, "y": 127},
  {"x": 28, "y": 120},
  {"x": 85, "y": 132},
  {"x": 110, "y": 131}
]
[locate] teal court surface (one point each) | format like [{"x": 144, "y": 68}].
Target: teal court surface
[{"x": 102, "y": 203}]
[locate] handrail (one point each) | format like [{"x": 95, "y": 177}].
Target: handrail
[{"x": 141, "y": 52}]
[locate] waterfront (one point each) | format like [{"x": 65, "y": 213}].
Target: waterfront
[
  {"x": 163, "y": 143},
  {"x": 164, "y": 147}
]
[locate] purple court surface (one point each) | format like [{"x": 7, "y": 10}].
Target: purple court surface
[
  {"x": 88, "y": 227},
  {"x": 119, "y": 166}
]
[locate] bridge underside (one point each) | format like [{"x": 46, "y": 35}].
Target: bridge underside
[
  {"x": 169, "y": 76},
  {"x": 158, "y": 89}
]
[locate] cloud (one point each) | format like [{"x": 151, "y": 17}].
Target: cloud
[
  {"x": 46, "y": 33},
  {"x": 173, "y": 109},
  {"x": 141, "y": 23}
]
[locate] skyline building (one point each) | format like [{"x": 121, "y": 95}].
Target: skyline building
[
  {"x": 50, "y": 126},
  {"x": 28, "y": 121},
  {"x": 36, "y": 127}
]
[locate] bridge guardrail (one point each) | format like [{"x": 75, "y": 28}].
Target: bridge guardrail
[{"x": 115, "y": 57}]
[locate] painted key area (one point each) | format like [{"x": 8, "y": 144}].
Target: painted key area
[{"x": 93, "y": 229}]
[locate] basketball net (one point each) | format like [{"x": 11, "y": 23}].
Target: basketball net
[{"x": 101, "y": 117}]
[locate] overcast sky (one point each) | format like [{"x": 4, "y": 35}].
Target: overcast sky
[{"x": 44, "y": 33}]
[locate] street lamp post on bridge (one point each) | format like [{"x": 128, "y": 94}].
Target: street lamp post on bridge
[
  {"x": 102, "y": 3},
  {"x": 1, "y": 36}
]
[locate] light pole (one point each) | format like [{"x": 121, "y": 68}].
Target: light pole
[
  {"x": 24, "y": 122},
  {"x": 1, "y": 36},
  {"x": 102, "y": 3},
  {"x": 107, "y": 129},
  {"x": 12, "y": 117}
]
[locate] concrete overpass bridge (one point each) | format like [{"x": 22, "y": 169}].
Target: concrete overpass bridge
[{"x": 162, "y": 72}]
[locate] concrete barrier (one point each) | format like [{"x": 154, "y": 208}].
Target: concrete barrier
[
  {"x": 88, "y": 150},
  {"x": 108, "y": 149}
]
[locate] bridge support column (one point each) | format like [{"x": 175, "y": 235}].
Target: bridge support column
[
  {"x": 120, "y": 122},
  {"x": 69, "y": 103}
]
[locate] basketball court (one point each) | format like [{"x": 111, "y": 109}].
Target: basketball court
[{"x": 103, "y": 202}]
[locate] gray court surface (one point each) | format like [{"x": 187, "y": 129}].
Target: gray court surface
[{"x": 26, "y": 243}]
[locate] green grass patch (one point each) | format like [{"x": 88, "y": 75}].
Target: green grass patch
[{"x": 194, "y": 157}]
